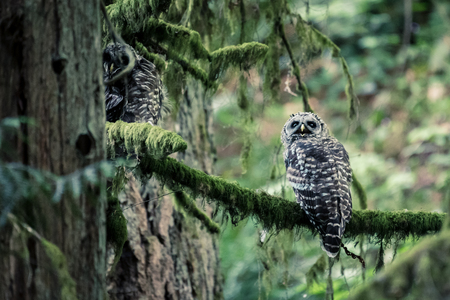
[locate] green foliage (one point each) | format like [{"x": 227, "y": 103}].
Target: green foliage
[{"x": 143, "y": 139}]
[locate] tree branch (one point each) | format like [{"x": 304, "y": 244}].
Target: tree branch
[{"x": 278, "y": 213}]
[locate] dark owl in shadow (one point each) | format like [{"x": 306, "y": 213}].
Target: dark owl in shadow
[{"x": 133, "y": 89}]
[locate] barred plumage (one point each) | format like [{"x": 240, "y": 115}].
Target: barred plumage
[
  {"x": 318, "y": 168},
  {"x": 139, "y": 96}
]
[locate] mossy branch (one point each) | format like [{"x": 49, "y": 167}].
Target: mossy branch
[
  {"x": 296, "y": 69},
  {"x": 243, "y": 56},
  {"x": 142, "y": 139},
  {"x": 278, "y": 213},
  {"x": 159, "y": 63},
  {"x": 191, "y": 208},
  {"x": 176, "y": 36}
]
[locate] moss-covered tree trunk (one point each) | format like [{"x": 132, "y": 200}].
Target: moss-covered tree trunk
[
  {"x": 169, "y": 254},
  {"x": 50, "y": 72}
]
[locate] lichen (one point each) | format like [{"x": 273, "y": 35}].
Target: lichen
[
  {"x": 142, "y": 139},
  {"x": 59, "y": 263}
]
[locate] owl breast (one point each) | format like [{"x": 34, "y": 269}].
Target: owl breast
[{"x": 319, "y": 172}]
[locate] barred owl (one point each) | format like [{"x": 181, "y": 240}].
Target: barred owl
[
  {"x": 131, "y": 94},
  {"x": 318, "y": 168}
]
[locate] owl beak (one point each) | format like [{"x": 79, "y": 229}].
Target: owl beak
[
  {"x": 302, "y": 129},
  {"x": 111, "y": 67}
]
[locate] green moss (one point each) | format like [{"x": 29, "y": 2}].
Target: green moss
[
  {"x": 243, "y": 56},
  {"x": 380, "y": 259},
  {"x": 159, "y": 63},
  {"x": 277, "y": 213},
  {"x": 59, "y": 263},
  {"x": 360, "y": 192},
  {"x": 142, "y": 139},
  {"x": 272, "y": 74},
  {"x": 190, "y": 207},
  {"x": 116, "y": 226},
  {"x": 173, "y": 79},
  {"x": 179, "y": 38},
  {"x": 188, "y": 67}
]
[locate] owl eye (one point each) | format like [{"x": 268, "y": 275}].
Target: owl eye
[
  {"x": 294, "y": 124},
  {"x": 311, "y": 124},
  {"x": 106, "y": 57},
  {"x": 125, "y": 59}
]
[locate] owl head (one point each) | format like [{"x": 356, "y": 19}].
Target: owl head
[
  {"x": 118, "y": 61},
  {"x": 303, "y": 125}
]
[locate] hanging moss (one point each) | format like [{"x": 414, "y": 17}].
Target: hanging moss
[
  {"x": 159, "y": 63},
  {"x": 420, "y": 273},
  {"x": 142, "y": 138},
  {"x": 59, "y": 264},
  {"x": 242, "y": 99},
  {"x": 380, "y": 260},
  {"x": 190, "y": 207},
  {"x": 296, "y": 69},
  {"x": 277, "y": 213},
  {"x": 188, "y": 67},
  {"x": 360, "y": 192},
  {"x": 272, "y": 74},
  {"x": 116, "y": 226},
  {"x": 243, "y": 56},
  {"x": 173, "y": 79},
  {"x": 316, "y": 40},
  {"x": 183, "y": 39},
  {"x": 317, "y": 270}
]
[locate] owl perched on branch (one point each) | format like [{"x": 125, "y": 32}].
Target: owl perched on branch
[
  {"x": 318, "y": 168},
  {"x": 133, "y": 89}
]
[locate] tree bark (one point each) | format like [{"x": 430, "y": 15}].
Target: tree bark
[
  {"x": 169, "y": 255},
  {"x": 50, "y": 58}
]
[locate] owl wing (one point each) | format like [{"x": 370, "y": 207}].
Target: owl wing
[
  {"x": 114, "y": 103},
  {"x": 313, "y": 172},
  {"x": 145, "y": 93}
]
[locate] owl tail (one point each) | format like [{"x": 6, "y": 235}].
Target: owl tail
[{"x": 331, "y": 240}]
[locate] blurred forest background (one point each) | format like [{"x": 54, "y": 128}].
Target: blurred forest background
[{"x": 398, "y": 54}]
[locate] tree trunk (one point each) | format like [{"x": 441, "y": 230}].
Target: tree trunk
[
  {"x": 169, "y": 255},
  {"x": 50, "y": 58}
]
